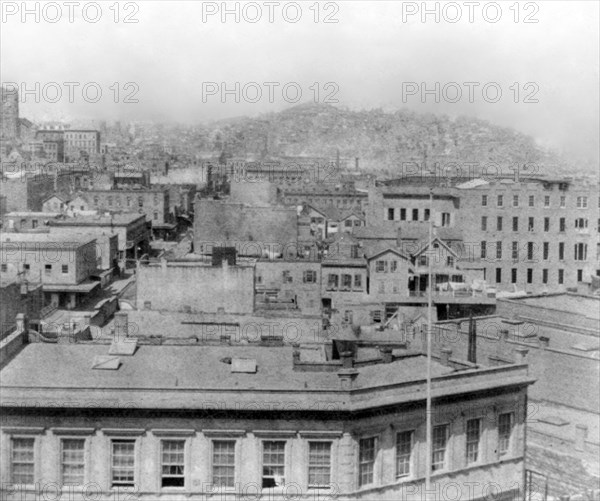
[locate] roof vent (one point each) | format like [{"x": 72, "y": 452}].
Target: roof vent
[
  {"x": 126, "y": 347},
  {"x": 243, "y": 365},
  {"x": 106, "y": 362}
]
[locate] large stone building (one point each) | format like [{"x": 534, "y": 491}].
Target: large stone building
[
  {"x": 196, "y": 420},
  {"x": 531, "y": 235},
  {"x": 9, "y": 114},
  {"x": 81, "y": 143}
]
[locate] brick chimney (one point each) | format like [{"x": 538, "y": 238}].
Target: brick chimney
[
  {"x": 386, "y": 354},
  {"x": 521, "y": 355},
  {"x": 544, "y": 342},
  {"x": 121, "y": 326},
  {"x": 347, "y": 360},
  {"x": 445, "y": 355},
  {"x": 347, "y": 377}
]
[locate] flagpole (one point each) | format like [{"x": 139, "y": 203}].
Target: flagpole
[{"x": 428, "y": 384}]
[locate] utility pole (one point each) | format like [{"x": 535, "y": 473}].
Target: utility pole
[{"x": 429, "y": 328}]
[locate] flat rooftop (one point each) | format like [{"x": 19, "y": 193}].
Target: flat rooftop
[
  {"x": 189, "y": 377},
  {"x": 76, "y": 240},
  {"x": 588, "y": 306},
  {"x": 117, "y": 219}
]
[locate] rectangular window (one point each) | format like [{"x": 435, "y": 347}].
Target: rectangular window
[
  {"x": 404, "y": 447},
  {"x": 515, "y": 200},
  {"x": 347, "y": 282},
  {"x": 515, "y": 250},
  {"x": 172, "y": 463},
  {"x": 580, "y": 275},
  {"x": 547, "y": 201},
  {"x": 319, "y": 464},
  {"x": 529, "y": 275},
  {"x": 483, "y": 249},
  {"x": 22, "y": 460},
  {"x": 505, "y": 427},
  {"x": 72, "y": 452},
  {"x": 47, "y": 269},
  {"x": 499, "y": 250},
  {"x": 484, "y": 200},
  {"x": 563, "y": 202},
  {"x": 390, "y": 214},
  {"x": 545, "y": 276},
  {"x": 531, "y": 201},
  {"x": 381, "y": 266},
  {"x": 529, "y": 251},
  {"x": 483, "y": 223},
  {"x": 122, "y": 463},
  {"x": 546, "y": 250},
  {"x": 445, "y": 219},
  {"x": 223, "y": 463},
  {"x": 546, "y": 224},
  {"x": 332, "y": 281},
  {"x": 65, "y": 268},
  {"x": 273, "y": 463},
  {"x": 582, "y": 202},
  {"x": 562, "y": 224},
  {"x": 561, "y": 251},
  {"x": 530, "y": 224},
  {"x": 286, "y": 276},
  {"x": 358, "y": 281},
  {"x": 498, "y": 275},
  {"x": 500, "y": 201},
  {"x": 309, "y": 277},
  {"x": 515, "y": 223},
  {"x": 513, "y": 276},
  {"x": 366, "y": 460},
  {"x": 561, "y": 276},
  {"x": 4, "y": 267},
  {"x": 402, "y": 214},
  {"x": 393, "y": 266},
  {"x": 580, "y": 252},
  {"x": 473, "y": 440},
  {"x": 440, "y": 442},
  {"x": 415, "y": 214},
  {"x": 426, "y": 215},
  {"x": 499, "y": 223}
]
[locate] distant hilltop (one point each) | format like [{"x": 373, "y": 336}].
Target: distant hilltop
[{"x": 383, "y": 141}]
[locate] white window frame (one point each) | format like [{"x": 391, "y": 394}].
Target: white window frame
[{"x": 411, "y": 459}]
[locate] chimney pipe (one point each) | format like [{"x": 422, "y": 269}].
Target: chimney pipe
[
  {"x": 544, "y": 342},
  {"x": 347, "y": 377},
  {"x": 521, "y": 355},
  {"x": 446, "y": 353}
]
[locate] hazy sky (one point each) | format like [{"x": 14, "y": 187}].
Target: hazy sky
[{"x": 370, "y": 55}]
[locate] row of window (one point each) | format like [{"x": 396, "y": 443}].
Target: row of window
[
  {"x": 560, "y": 278},
  {"x": 401, "y": 214},
  {"x": 345, "y": 281},
  {"x": 582, "y": 201},
  {"x": 47, "y": 268},
  {"x": 579, "y": 250},
  {"x": 580, "y": 223},
  {"x": 223, "y": 458}
]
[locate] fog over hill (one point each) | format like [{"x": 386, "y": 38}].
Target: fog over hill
[{"x": 383, "y": 141}]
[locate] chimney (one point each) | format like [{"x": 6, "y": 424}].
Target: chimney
[
  {"x": 22, "y": 322},
  {"x": 386, "y": 354},
  {"x": 346, "y": 358},
  {"x": 544, "y": 342},
  {"x": 581, "y": 432},
  {"x": 121, "y": 325},
  {"x": 445, "y": 355},
  {"x": 296, "y": 356},
  {"x": 521, "y": 355},
  {"x": 147, "y": 305},
  {"x": 347, "y": 377}
]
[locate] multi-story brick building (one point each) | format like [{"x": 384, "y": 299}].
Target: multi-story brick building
[
  {"x": 153, "y": 202},
  {"x": 53, "y": 143},
  {"x": 533, "y": 234},
  {"x": 9, "y": 114},
  {"x": 81, "y": 143},
  {"x": 196, "y": 420}
]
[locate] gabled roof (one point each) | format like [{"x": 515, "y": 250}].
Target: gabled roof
[
  {"x": 425, "y": 245},
  {"x": 55, "y": 196},
  {"x": 385, "y": 250}
]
